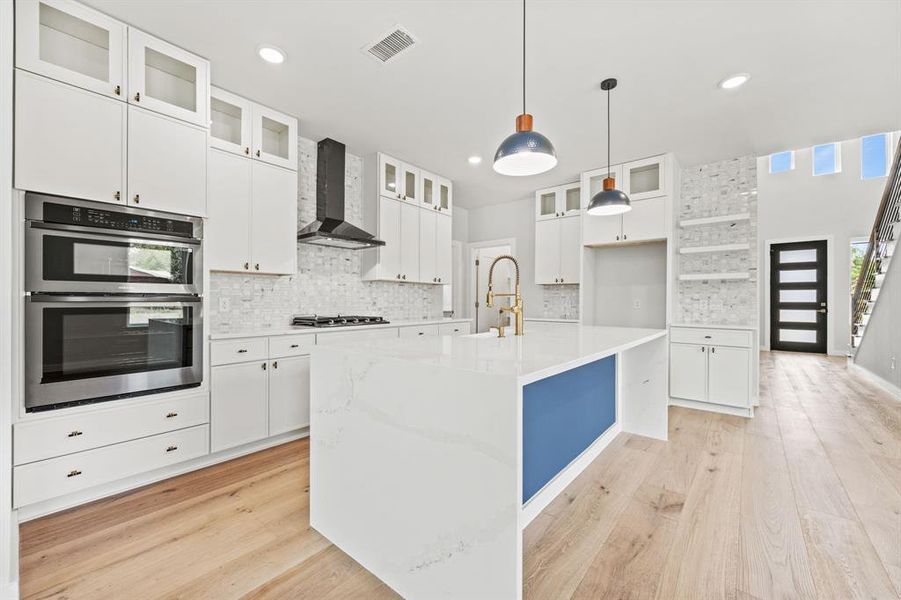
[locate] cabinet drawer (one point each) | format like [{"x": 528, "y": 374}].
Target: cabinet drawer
[
  {"x": 713, "y": 337},
  {"x": 46, "y": 479},
  {"x": 343, "y": 337},
  {"x": 224, "y": 352},
  {"x": 291, "y": 345},
  {"x": 453, "y": 328},
  {"x": 418, "y": 331},
  {"x": 39, "y": 440}
]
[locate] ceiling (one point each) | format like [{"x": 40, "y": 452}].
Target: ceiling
[{"x": 821, "y": 71}]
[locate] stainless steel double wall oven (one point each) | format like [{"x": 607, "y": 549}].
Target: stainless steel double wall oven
[{"x": 114, "y": 302}]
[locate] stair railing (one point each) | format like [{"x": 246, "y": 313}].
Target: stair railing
[{"x": 883, "y": 235}]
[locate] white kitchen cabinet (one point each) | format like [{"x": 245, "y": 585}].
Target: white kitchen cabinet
[
  {"x": 599, "y": 230},
  {"x": 387, "y": 265},
  {"x": 410, "y": 176},
  {"x": 428, "y": 264},
  {"x": 166, "y": 79},
  {"x": 646, "y": 221},
  {"x": 167, "y": 163},
  {"x": 462, "y": 328},
  {"x": 69, "y": 42},
  {"x": 274, "y": 137},
  {"x": 273, "y": 223},
  {"x": 557, "y": 250},
  {"x": 428, "y": 190},
  {"x": 252, "y": 216},
  {"x": 645, "y": 178},
  {"x": 417, "y": 331},
  {"x": 227, "y": 231},
  {"x": 231, "y": 122},
  {"x": 390, "y": 177},
  {"x": 443, "y": 248},
  {"x": 289, "y": 394},
  {"x": 69, "y": 141},
  {"x": 445, "y": 195},
  {"x": 729, "y": 375},
  {"x": 239, "y": 404},
  {"x": 409, "y": 242},
  {"x": 688, "y": 372},
  {"x": 558, "y": 201}
]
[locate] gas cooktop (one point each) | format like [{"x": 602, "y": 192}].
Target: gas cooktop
[{"x": 336, "y": 321}]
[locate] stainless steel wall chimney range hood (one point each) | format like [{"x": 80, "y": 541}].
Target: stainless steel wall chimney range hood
[{"x": 330, "y": 228}]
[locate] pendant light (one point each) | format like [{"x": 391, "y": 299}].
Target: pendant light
[
  {"x": 526, "y": 152},
  {"x": 609, "y": 201}
]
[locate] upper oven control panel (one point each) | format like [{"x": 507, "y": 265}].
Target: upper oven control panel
[{"x": 110, "y": 219}]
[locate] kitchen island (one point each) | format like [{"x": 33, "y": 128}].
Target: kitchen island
[{"x": 430, "y": 456}]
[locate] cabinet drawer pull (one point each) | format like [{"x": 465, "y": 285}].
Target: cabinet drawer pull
[
  {"x": 75, "y": 433},
  {"x": 171, "y": 448},
  {"x": 295, "y": 345},
  {"x": 138, "y": 97},
  {"x": 421, "y": 333},
  {"x": 118, "y": 90},
  {"x": 242, "y": 351},
  {"x": 73, "y": 473},
  {"x": 707, "y": 337},
  {"x": 171, "y": 415}
]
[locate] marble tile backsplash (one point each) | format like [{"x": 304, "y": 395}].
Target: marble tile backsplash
[
  {"x": 327, "y": 280},
  {"x": 721, "y": 188},
  {"x": 560, "y": 302}
]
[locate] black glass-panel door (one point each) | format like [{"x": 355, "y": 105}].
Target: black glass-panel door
[{"x": 798, "y": 307}]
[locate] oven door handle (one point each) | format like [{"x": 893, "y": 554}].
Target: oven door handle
[
  {"x": 150, "y": 299},
  {"x": 157, "y": 239}
]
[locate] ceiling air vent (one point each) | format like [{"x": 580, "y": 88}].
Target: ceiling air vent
[{"x": 396, "y": 41}]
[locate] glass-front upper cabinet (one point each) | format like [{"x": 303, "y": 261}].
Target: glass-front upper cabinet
[
  {"x": 546, "y": 204},
  {"x": 569, "y": 198},
  {"x": 72, "y": 43},
  {"x": 166, "y": 79},
  {"x": 645, "y": 178},
  {"x": 230, "y": 122},
  {"x": 428, "y": 194},
  {"x": 274, "y": 137},
  {"x": 410, "y": 175},
  {"x": 558, "y": 201},
  {"x": 391, "y": 181},
  {"x": 445, "y": 195}
]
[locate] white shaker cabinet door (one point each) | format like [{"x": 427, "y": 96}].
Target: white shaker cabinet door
[
  {"x": 289, "y": 394},
  {"x": 274, "y": 137},
  {"x": 239, "y": 405},
  {"x": 274, "y": 220},
  {"x": 547, "y": 251},
  {"x": 231, "y": 122},
  {"x": 166, "y": 163},
  {"x": 688, "y": 372},
  {"x": 69, "y": 42},
  {"x": 409, "y": 241},
  {"x": 570, "y": 249},
  {"x": 646, "y": 221},
  {"x": 428, "y": 268},
  {"x": 227, "y": 229},
  {"x": 444, "y": 248},
  {"x": 389, "y": 232},
  {"x": 69, "y": 142},
  {"x": 729, "y": 381}
]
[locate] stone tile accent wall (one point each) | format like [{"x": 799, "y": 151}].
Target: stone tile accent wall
[
  {"x": 560, "y": 302},
  {"x": 328, "y": 279},
  {"x": 721, "y": 188}
]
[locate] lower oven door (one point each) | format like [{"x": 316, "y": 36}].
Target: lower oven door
[{"x": 89, "y": 348}]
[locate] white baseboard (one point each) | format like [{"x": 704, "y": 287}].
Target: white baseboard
[
  {"x": 42, "y": 509},
  {"x": 875, "y": 379},
  {"x": 710, "y": 407},
  {"x": 552, "y": 489},
  {"x": 9, "y": 591}
]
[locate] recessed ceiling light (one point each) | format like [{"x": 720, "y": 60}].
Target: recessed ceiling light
[
  {"x": 474, "y": 160},
  {"x": 271, "y": 54},
  {"x": 733, "y": 81}
]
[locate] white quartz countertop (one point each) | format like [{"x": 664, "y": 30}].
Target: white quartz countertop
[
  {"x": 537, "y": 354},
  {"x": 288, "y": 330}
]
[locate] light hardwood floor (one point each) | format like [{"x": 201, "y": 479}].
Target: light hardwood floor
[{"x": 803, "y": 501}]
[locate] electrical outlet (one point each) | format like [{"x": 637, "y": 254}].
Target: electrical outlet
[
  {"x": 636, "y": 304},
  {"x": 225, "y": 304},
  {"x": 893, "y": 363}
]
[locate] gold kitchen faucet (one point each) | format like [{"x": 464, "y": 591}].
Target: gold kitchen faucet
[{"x": 516, "y": 309}]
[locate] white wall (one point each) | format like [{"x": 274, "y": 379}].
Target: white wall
[
  {"x": 8, "y": 537},
  {"x": 796, "y": 205},
  {"x": 880, "y": 348},
  {"x": 625, "y": 275}
]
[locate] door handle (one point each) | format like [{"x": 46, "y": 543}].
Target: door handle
[{"x": 822, "y": 310}]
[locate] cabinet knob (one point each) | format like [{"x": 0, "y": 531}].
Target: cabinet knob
[
  {"x": 257, "y": 266},
  {"x": 73, "y": 473},
  {"x": 258, "y": 153},
  {"x": 171, "y": 415},
  {"x": 404, "y": 277},
  {"x": 398, "y": 275},
  {"x": 421, "y": 333},
  {"x": 171, "y": 448},
  {"x": 295, "y": 345},
  {"x": 75, "y": 433},
  {"x": 138, "y": 97},
  {"x": 439, "y": 280},
  {"x": 561, "y": 280},
  {"x": 713, "y": 350},
  {"x": 247, "y": 151},
  {"x": 617, "y": 238},
  {"x": 117, "y": 196},
  {"x": 703, "y": 349},
  {"x": 264, "y": 366},
  {"x": 275, "y": 365},
  {"x": 625, "y": 236},
  {"x": 137, "y": 198},
  {"x": 707, "y": 337},
  {"x": 118, "y": 90},
  {"x": 247, "y": 266}
]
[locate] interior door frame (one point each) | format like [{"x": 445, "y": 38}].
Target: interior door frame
[
  {"x": 471, "y": 280},
  {"x": 764, "y": 325}
]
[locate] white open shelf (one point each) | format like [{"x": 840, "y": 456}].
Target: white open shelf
[
  {"x": 719, "y": 219},
  {"x": 720, "y": 248},
  {"x": 707, "y": 276}
]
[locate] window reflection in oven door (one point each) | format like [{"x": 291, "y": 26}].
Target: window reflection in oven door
[{"x": 89, "y": 348}]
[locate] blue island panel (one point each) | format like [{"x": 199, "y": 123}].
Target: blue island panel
[{"x": 561, "y": 416}]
